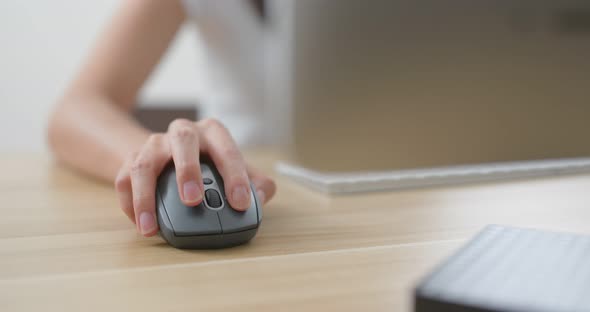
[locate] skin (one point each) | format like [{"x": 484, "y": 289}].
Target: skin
[{"x": 92, "y": 131}]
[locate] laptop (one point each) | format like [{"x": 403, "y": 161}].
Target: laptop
[{"x": 405, "y": 86}]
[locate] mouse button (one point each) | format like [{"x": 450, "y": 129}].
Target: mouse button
[
  {"x": 187, "y": 221},
  {"x": 237, "y": 221}
]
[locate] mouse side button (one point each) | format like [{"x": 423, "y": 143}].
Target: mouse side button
[{"x": 166, "y": 230}]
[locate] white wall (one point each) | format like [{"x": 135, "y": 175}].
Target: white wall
[{"x": 42, "y": 43}]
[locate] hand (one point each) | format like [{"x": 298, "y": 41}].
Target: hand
[{"x": 183, "y": 142}]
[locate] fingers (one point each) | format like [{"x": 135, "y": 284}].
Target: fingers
[
  {"x": 123, "y": 188},
  {"x": 136, "y": 181},
  {"x": 265, "y": 186},
  {"x": 218, "y": 143},
  {"x": 147, "y": 166},
  {"x": 184, "y": 145}
]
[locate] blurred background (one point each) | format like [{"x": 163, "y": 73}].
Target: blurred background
[
  {"x": 345, "y": 85},
  {"x": 42, "y": 45}
]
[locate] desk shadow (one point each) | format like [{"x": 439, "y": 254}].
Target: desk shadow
[{"x": 162, "y": 245}]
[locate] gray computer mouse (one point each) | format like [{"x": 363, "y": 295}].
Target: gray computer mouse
[{"x": 211, "y": 224}]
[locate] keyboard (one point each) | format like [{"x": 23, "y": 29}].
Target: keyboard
[
  {"x": 511, "y": 269},
  {"x": 399, "y": 179}
]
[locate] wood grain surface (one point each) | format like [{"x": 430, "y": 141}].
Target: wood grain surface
[{"x": 66, "y": 246}]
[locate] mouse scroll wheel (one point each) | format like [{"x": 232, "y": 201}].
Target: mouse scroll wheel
[{"x": 213, "y": 198}]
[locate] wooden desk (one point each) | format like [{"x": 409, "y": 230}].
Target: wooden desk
[{"x": 66, "y": 246}]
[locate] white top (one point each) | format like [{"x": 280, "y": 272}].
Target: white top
[{"x": 235, "y": 43}]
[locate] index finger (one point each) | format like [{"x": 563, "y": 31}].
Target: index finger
[
  {"x": 221, "y": 147},
  {"x": 184, "y": 145}
]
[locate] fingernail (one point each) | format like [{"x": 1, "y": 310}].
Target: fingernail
[
  {"x": 192, "y": 191},
  {"x": 146, "y": 222},
  {"x": 241, "y": 197},
  {"x": 261, "y": 196}
]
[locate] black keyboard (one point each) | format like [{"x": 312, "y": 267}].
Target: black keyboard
[{"x": 512, "y": 269}]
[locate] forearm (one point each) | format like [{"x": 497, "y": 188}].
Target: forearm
[{"x": 92, "y": 134}]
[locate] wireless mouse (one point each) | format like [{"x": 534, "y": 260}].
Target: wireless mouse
[{"x": 211, "y": 224}]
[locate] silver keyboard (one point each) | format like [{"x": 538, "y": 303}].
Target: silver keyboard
[
  {"x": 390, "y": 180},
  {"x": 512, "y": 269}
]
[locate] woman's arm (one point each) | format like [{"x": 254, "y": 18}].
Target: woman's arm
[{"x": 91, "y": 128}]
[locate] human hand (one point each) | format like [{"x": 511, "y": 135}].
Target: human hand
[{"x": 183, "y": 143}]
